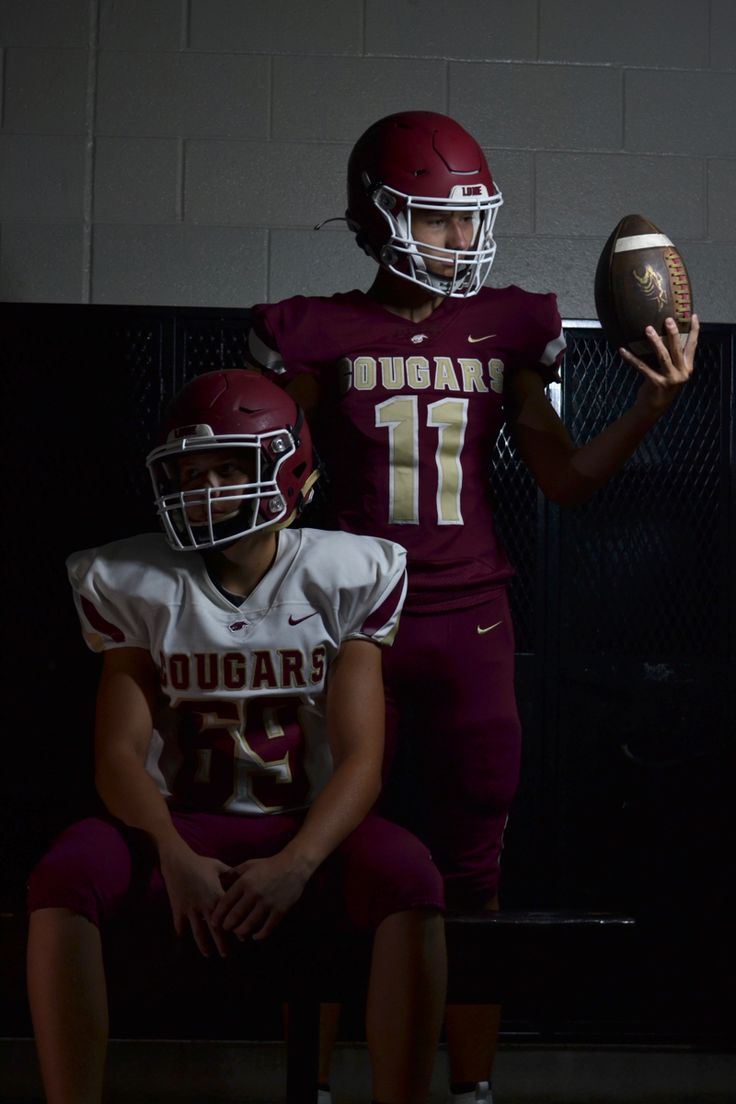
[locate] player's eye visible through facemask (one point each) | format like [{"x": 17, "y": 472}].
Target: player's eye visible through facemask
[
  {"x": 188, "y": 476},
  {"x": 229, "y": 469}
]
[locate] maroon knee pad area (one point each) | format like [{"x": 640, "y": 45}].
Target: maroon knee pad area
[
  {"x": 93, "y": 868},
  {"x": 100, "y": 868}
]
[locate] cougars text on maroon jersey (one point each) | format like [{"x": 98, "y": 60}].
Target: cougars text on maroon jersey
[{"x": 410, "y": 413}]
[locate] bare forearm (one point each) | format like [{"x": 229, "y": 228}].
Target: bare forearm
[
  {"x": 130, "y": 793},
  {"x": 263, "y": 890},
  {"x": 123, "y": 728},
  {"x": 590, "y": 466},
  {"x": 355, "y": 719},
  {"x": 345, "y": 801},
  {"x": 568, "y": 475}
]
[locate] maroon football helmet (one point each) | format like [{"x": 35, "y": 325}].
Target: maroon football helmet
[
  {"x": 243, "y": 414},
  {"x": 421, "y": 160}
]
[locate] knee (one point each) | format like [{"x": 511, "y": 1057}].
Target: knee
[
  {"x": 82, "y": 872},
  {"x": 422, "y": 927},
  {"x": 395, "y": 874},
  {"x": 56, "y": 882}
]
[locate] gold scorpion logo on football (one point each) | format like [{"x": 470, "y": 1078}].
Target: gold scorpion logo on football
[{"x": 652, "y": 284}]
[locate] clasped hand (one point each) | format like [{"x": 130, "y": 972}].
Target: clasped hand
[
  {"x": 259, "y": 893},
  {"x": 218, "y": 901}
]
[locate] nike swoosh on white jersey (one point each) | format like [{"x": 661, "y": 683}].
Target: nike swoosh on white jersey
[
  {"x": 482, "y": 631},
  {"x": 298, "y": 620},
  {"x": 475, "y": 340}
]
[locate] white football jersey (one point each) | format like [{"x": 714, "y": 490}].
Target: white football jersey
[{"x": 242, "y": 724}]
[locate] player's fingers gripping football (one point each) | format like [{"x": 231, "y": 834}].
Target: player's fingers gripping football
[
  {"x": 675, "y": 363},
  {"x": 675, "y": 359}
]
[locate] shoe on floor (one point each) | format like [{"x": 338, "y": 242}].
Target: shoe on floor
[{"x": 481, "y": 1094}]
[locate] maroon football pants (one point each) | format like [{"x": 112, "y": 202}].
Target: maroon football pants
[
  {"x": 101, "y": 869},
  {"x": 454, "y": 739}
]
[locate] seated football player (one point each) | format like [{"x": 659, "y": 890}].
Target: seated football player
[{"x": 247, "y": 795}]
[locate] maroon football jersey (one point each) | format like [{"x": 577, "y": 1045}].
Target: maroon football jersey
[{"x": 410, "y": 413}]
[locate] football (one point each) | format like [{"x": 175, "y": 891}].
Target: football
[{"x": 640, "y": 280}]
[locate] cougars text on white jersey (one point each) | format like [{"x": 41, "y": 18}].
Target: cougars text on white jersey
[{"x": 262, "y": 669}]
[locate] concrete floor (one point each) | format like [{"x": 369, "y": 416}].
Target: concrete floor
[{"x": 158, "y": 1072}]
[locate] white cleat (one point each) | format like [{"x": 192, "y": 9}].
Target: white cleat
[{"x": 480, "y": 1095}]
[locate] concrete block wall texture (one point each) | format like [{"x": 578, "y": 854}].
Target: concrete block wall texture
[{"x": 181, "y": 151}]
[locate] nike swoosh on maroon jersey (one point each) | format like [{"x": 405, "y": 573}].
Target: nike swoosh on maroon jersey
[{"x": 298, "y": 620}]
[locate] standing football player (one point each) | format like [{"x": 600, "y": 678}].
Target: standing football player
[
  {"x": 412, "y": 381},
  {"x": 250, "y": 794}
]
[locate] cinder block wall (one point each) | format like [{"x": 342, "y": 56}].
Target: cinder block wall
[{"x": 180, "y": 151}]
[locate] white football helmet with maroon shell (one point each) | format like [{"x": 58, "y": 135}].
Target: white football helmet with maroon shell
[
  {"x": 419, "y": 160},
  {"x": 262, "y": 429}
]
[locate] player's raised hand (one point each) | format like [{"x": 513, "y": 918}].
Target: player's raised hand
[
  {"x": 262, "y": 892},
  {"x": 194, "y": 885},
  {"x": 674, "y": 365}
]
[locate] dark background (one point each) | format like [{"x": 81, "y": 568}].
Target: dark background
[{"x": 625, "y": 612}]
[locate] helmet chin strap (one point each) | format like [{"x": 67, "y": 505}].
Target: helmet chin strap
[
  {"x": 444, "y": 284},
  {"x": 420, "y": 274}
]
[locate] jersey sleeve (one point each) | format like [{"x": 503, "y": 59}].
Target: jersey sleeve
[
  {"x": 546, "y": 341},
  {"x": 107, "y": 616},
  {"x": 372, "y": 610},
  {"x": 279, "y": 339}
]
